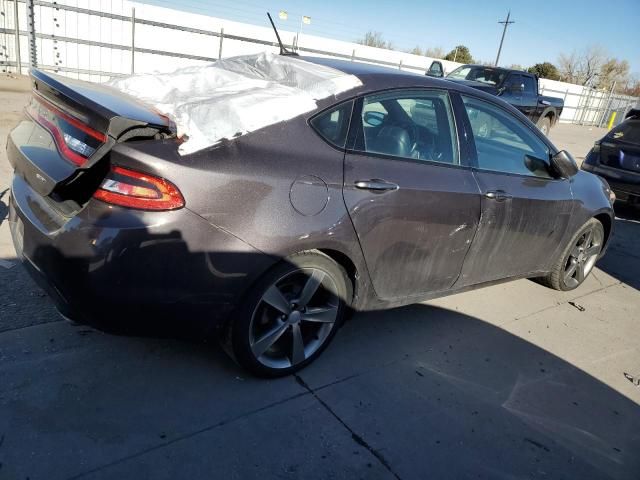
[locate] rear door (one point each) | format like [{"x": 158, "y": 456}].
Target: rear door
[
  {"x": 414, "y": 205},
  {"x": 525, "y": 212}
]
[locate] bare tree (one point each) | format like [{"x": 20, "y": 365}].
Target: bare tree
[
  {"x": 613, "y": 71},
  {"x": 592, "y": 60},
  {"x": 375, "y": 39},
  {"x": 436, "y": 52},
  {"x": 631, "y": 86},
  {"x": 416, "y": 50},
  {"x": 582, "y": 67},
  {"x": 568, "y": 67}
]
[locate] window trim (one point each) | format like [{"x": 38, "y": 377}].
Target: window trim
[
  {"x": 471, "y": 143},
  {"x": 355, "y": 128}
]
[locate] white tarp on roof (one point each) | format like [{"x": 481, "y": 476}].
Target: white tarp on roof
[{"x": 236, "y": 95}]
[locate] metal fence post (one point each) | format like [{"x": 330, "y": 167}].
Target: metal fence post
[
  {"x": 400, "y": 65},
  {"x": 585, "y": 106},
  {"x": 133, "y": 41},
  {"x": 221, "y": 39},
  {"x": 607, "y": 105},
  {"x": 353, "y": 54},
  {"x": 31, "y": 28},
  {"x": 15, "y": 17}
]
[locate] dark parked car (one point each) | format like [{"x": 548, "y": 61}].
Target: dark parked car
[
  {"x": 616, "y": 157},
  {"x": 516, "y": 87},
  {"x": 385, "y": 195}
]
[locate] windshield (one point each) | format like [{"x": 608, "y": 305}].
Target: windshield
[{"x": 489, "y": 75}]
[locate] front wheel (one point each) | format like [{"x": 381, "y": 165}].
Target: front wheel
[
  {"x": 544, "y": 124},
  {"x": 290, "y": 316},
  {"x": 578, "y": 258}
]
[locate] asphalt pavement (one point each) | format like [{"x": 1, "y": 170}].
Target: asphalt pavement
[{"x": 511, "y": 381}]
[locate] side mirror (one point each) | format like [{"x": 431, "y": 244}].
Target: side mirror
[
  {"x": 563, "y": 165},
  {"x": 536, "y": 165},
  {"x": 375, "y": 119}
]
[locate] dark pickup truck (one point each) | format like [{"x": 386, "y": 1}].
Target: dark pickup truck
[{"x": 516, "y": 87}]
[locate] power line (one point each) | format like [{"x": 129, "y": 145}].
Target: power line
[{"x": 506, "y": 23}]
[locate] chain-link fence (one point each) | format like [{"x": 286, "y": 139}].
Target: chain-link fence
[
  {"x": 589, "y": 106},
  {"x": 97, "y": 39}
]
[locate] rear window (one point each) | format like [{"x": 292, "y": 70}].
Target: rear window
[
  {"x": 333, "y": 125},
  {"x": 628, "y": 131}
]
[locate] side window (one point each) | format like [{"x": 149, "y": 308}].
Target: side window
[
  {"x": 411, "y": 124},
  {"x": 513, "y": 80},
  {"x": 529, "y": 85},
  {"x": 435, "y": 69},
  {"x": 333, "y": 125},
  {"x": 503, "y": 142}
]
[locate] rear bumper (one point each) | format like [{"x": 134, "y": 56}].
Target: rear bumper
[
  {"x": 125, "y": 269},
  {"x": 624, "y": 183}
]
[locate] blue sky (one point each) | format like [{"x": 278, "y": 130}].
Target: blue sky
[{"x": 542, "y": 31}]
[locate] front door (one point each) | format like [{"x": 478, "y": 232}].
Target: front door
[
  {"x": 529, "y": 103},
  {"x": 525, "y": 212},
  {"x": 414, "y": 207}
]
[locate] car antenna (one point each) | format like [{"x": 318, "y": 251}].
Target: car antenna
[{"x": 283, "y": 50}]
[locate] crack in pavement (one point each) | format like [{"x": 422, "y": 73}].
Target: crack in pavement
[
  {"x": 187, "y": 436},
  {"x": 356, "y": 438},
  {"x": 558, "y": 304}
]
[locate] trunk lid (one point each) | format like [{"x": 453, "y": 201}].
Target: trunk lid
[
  {"x": 621, "y": 147},
  {"x": 71, "y": 125}
]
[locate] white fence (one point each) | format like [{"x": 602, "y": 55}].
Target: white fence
[{"x": 97, "y": 39}]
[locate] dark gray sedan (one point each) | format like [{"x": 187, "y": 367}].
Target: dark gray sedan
[{"x": 402, "y": 189}]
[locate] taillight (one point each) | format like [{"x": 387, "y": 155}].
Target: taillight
[
  {"x": 132, "y": 189},
  {"x": 75, "y": 140}
]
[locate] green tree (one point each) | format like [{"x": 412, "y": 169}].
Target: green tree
[
  {"x": 459, "y": 54},
  {"x": 545, "y": 70}
]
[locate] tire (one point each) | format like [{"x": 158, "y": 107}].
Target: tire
[
  {"x": 582, "y": 252},
  {"x": 290, "y": 315},
  {"x": 544, "y": 125}
]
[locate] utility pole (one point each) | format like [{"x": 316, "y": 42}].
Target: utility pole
[{"x": 506, "y": 23}]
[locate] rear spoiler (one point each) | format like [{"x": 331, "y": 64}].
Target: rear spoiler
[{"x": 99, "y": 106}]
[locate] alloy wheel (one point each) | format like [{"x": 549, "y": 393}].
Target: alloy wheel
[
  {"x": 294, "y": 318},
  {"x": 583, "y": 256}
]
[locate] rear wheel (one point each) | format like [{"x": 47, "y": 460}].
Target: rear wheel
[
  {"x": 544, "y": 124},
  {"x": 290, "y": 316},
  {"x": 578, "y": 258}
]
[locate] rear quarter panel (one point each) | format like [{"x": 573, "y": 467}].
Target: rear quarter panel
[
  {"x": 279, "y": 189},
  {"x": 592, "y": 200}
]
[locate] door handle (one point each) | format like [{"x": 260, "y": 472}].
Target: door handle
[
  {"x": 376, "y": 185},
  {"x": 497, "y": 195}
]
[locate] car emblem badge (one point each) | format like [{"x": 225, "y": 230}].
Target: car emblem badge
[{"x": 41, "y": 178}]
